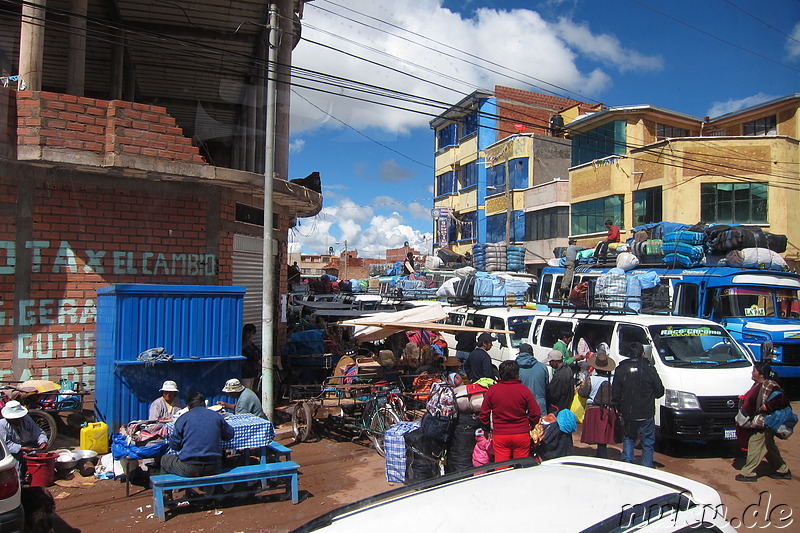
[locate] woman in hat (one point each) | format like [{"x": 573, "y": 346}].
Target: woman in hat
[
  {"x": 168, "y": 404},
  {"x": 600, "y": 420},
  {"x": 20, "y": 433}
]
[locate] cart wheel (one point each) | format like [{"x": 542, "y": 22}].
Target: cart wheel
[
  {"x": 47, "y": 423},
  {"x": 301, "y": 421},
  {"x": 381, "y": 421}
]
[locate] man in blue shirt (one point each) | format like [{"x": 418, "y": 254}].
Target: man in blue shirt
[
  {"x": 197, "y": 438},
  {"x": 479, "y": 363}
]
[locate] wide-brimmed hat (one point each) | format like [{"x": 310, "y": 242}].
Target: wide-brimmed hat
[
  {"x": 555, "y": 355},
  {"x": 233, "y": 385},
  {"x": 169, "y": 386},
  {"x": 452, "y": 361},
  {"x": 485, "y": 337},
  {"x": 13, "y": 410},
  {"x": 601, "y": 361}
]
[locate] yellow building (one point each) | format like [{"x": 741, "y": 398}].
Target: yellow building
[{"x": 641, "y": 164}]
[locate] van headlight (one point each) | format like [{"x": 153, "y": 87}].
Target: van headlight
[{"x": 677, "y": 399}]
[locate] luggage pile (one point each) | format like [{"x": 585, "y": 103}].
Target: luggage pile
[
  {"x": 683, "y": 246},
  {"x": 498, "y": 257}
]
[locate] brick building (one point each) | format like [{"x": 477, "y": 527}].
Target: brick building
[{"x": 100, "y": 190}]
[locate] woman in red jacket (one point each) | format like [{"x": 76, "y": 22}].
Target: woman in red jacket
[{"x": 509, "y": 411}]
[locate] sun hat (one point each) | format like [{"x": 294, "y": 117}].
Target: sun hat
[
  {"x": 233, "y": 385},
  {"x": 555, "y": 355},
  {"x": 13, "y": 410},
  {"x": 601, "y": 361},
  {"x": 169, "y": 386},
  {"x": 485, "y": 337},
  {"x": 452, "y": 361}
]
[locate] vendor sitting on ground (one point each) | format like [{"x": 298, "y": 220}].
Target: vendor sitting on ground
[
  {"x": 20, "y": 433},
  {"x": 168, "y": 404},
  {"x": 197, "y": 438},
  {"x": 247, "y": 402}
]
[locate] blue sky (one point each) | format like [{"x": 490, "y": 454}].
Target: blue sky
[{"x": 706, "y": 57}]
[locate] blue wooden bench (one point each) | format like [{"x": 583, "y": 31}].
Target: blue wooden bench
[
  {"x": 283, "y": 470},
  {"x": 277, "y": 452}
]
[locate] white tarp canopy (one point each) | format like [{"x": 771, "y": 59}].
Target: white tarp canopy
[{"x": 364, "y": 333}]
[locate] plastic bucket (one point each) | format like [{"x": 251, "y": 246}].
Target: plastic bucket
[{"x": 42, "y": 468}]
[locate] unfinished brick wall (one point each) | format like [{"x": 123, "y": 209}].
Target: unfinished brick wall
[
  {"x": 58, "y": 120},
  {"x": 524, "y": 107}
]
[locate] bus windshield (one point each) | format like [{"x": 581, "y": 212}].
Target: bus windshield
[
  {"x": 737, "y": 302},
  {"x": 697, "y": 346}
]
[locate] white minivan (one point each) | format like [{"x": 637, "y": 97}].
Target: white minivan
[
  {"x": 703, "y": 369},
  {"x": 514, "y": 319}
]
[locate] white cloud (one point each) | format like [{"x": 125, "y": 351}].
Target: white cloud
[
  {"x": 417, "y": 210},
  {"x": 793, "y": 44},
  {"x": 535, "y": 47},
  {"x": 371, "y": 235},
  {"x": 604, "y": 48},
  {"x": 296, "y": 146},
  {"x": 729, "y": 106}
]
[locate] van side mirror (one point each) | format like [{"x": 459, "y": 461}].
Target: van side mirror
[
  {"x": 767, "y": 351},
  {"x": 648, "y": 351}
]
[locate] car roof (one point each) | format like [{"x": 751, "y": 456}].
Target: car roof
[
  {"x": 568, "y": 494},
  {"x": 643, "y": 319}
]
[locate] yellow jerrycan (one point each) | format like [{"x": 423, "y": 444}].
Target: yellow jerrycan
[{"x": 94, "y": 436}]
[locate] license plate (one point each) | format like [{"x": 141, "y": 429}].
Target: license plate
[{"x": 730, "y": 434}]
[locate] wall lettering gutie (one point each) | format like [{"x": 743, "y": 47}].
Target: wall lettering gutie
[{"x": 117, "y": 262}]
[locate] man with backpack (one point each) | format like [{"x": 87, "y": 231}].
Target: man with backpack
[{"x": 635, "y": 389}]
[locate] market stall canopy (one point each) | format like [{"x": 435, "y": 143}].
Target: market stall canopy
[{"x": 381, "y": 325}]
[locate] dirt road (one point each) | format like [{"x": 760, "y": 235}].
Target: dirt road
[{"x": 335, "y": 473}]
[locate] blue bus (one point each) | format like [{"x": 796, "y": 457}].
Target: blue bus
[{"x": 756, "y": 306}]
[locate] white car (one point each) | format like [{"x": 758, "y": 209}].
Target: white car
[
  {"x": 568, "y": 494},
  {"x": 12, "y": 519}
]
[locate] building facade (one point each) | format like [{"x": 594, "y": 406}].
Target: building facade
[
  {"x": 501, "y": 172},
  {"x": 642, "y": 164}
]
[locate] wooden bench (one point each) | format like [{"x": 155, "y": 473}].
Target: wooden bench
[
  {"x": 278, "y": 452},
  {"x": 283, "y": 470}
]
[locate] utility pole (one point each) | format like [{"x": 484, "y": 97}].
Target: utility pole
[
  {"x": 345, "y": 259},
  {"x": 268, "y": 280}
]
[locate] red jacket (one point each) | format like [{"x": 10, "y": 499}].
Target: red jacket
[
  {"x": 613, "y": 233},
  {"x": 510, "y": 408}
]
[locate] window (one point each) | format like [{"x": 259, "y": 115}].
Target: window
[
  {"x": 733, "y": 203},
  {"x": 518, "y": 173},
  {"x": 762, "y": 126},
  {"x": 496, "y": 179},
  {"x": 552, "y": 331},
  {"x": 446, "y": 183},
  {"x": 647, "y": 206},
  {"x": 628, "y": 334},
  {"x": 663, "y": 131},
  {"x": 603, "y": 141},
  {"x": 547, "y": 223},
  {"x": 469, "y": 223},
  {"x": 468, "y": 175},
  {"x": 469, "y": 124},
  {"x": 590, "y": 216},
  {"x": 446, "y": 136},
  {"x": 496, "y": 228}
]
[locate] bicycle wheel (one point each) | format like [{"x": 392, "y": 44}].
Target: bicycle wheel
[
  {"x": 382, "y": 419},
  {"x": 301, "y": 421},
  {"x": 47, "y": 423}
]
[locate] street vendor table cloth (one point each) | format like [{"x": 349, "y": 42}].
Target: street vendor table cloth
[{"x": 248, "y": 432}]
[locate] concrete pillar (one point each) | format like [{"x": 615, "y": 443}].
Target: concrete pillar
[
  {"x": 286, "y": 10},
  {"x": 251, "y": 105},
  {"x": 31, "y": 45},
  {"x": 76, "y": 62},
  {"x": 117, "y": 66}
]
